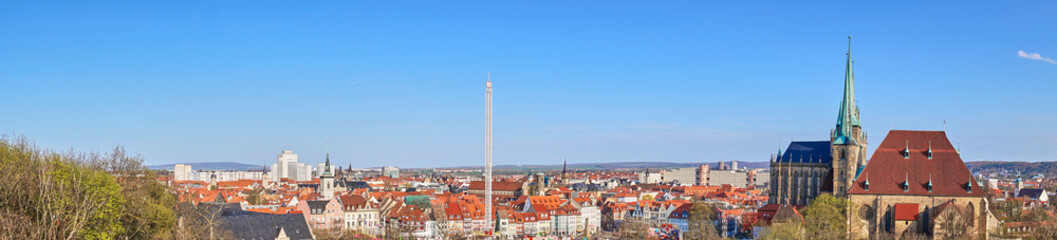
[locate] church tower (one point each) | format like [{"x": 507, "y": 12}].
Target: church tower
[
  {"x": 848, "y": 141},
  {"x": 326, "y": 181},
  {"x": 565, "y": 176}
]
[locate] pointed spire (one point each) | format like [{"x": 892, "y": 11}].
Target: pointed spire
[
  {"x": 848, "y": 115},
  {"x": 326, "y": 168},
  {"x": 565, "y": 163}
]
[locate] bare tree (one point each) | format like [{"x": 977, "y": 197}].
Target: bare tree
[
  {"x": 201, "y": 221},
  {"x": 952, "y": 223},
  {"x": 633, "y": 228},
  {"x": 699, "y": 223}
]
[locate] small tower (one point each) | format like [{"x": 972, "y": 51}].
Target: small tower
[
  {"x": 326, "y": 181},
  {"x": 264, "y": 176},
  {"x": 541, "y": 184},
  {"x": 1019, "y": 185}
]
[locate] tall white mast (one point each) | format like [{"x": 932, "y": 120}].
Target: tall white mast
[{"x": 488, "y": 152}]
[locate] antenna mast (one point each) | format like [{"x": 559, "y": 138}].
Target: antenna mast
[{"x": 488, "y": 152}]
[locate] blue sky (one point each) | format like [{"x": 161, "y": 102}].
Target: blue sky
[{"x": 591, "y": 81}]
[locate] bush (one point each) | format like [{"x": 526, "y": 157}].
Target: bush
[{"x": 47, "y": 195}]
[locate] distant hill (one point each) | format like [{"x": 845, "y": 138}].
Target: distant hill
[
  {"x": 584, "y": 166},
  {"x": 618, "y": 165},
  {"x": 1012, "y": 168},
  {"x": 211, "y": 166}
]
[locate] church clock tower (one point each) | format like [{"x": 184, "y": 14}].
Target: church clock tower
[
  {"x": 848, "y": 141},
  {"x": 326, "y": 180}
]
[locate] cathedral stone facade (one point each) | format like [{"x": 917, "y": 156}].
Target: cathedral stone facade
[
  {"x": 916, "y": 183},
  {"x": 800, "y": 173}
]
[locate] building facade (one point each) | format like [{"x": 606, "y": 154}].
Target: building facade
[{"x": 286, "y": 166}]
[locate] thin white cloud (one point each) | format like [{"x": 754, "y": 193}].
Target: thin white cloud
[{"x": 1035, "y": 56}]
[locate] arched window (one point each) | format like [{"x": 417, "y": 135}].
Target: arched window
[
  {"x": 972, "y": 214},
  {"x": 795, "y": 186}
]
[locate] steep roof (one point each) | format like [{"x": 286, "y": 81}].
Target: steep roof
[
  {"x": 848, "y": 115},
  {"x": 1030, "y": 193},
  {"x": 807, "y": 152},
  {"x": 906, "y": 211},
  {"x": 266, "y": 226},
  {"x": 891, "y": 166},
  {"x": 787, "y": 213},
  {"x": 317, "y": 207},
  {"x": 353, "y": 202}
]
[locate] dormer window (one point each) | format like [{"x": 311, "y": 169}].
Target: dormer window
[
  {"x": 930, "y": 182},
  {"x": 866, "y": 185},
  {"x": 930, "y": 150},
  {"x": 906, "y": 183},
  {"x": 906, "y": 151},
  {"x": 969, "y": 186}
]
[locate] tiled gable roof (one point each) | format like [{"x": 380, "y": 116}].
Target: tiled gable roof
[
  {"x": 897, "y": 169},
  {"x": 906, "y": 211},
  {"x": 353, "y": 202}
]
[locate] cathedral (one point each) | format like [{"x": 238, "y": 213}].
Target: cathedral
[
  {"x": 915, "y": 184},
  {"x": 809, "y": 168}
]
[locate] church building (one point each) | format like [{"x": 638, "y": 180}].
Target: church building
[
  {"x": 916, "y": 183},
  {"x": 807, "y": 169}
]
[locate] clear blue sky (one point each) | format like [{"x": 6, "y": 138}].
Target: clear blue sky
[{"x": 403, "y": 83}]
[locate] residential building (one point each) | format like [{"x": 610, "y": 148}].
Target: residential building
[
  {"x": 324, "y": 214},
  {"x": 361, "y": 214}
]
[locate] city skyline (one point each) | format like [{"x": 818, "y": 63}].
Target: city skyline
[{"x": 682, "y": 82}]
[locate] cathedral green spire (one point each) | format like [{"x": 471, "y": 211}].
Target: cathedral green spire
[{"x": 848, "y": 116}]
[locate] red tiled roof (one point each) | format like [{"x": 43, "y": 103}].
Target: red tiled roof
[
  {"x": 244, "y": 183},
  {"x": 496, "y": 186},
  {"x": 906, "y": 211},
  {"x": 353, "y": 202},
  {"x": 888, "y": 169}
]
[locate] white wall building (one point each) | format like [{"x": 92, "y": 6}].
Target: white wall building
[
  {"x": 224, "y": 175},
  {"x": 181, "y": 172},
  {"x": 286, "y": 166},
  {"x": 392, "y": 172},
  {"x": 184, "y": 172},
  {"x": 592, "y": 217}
]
